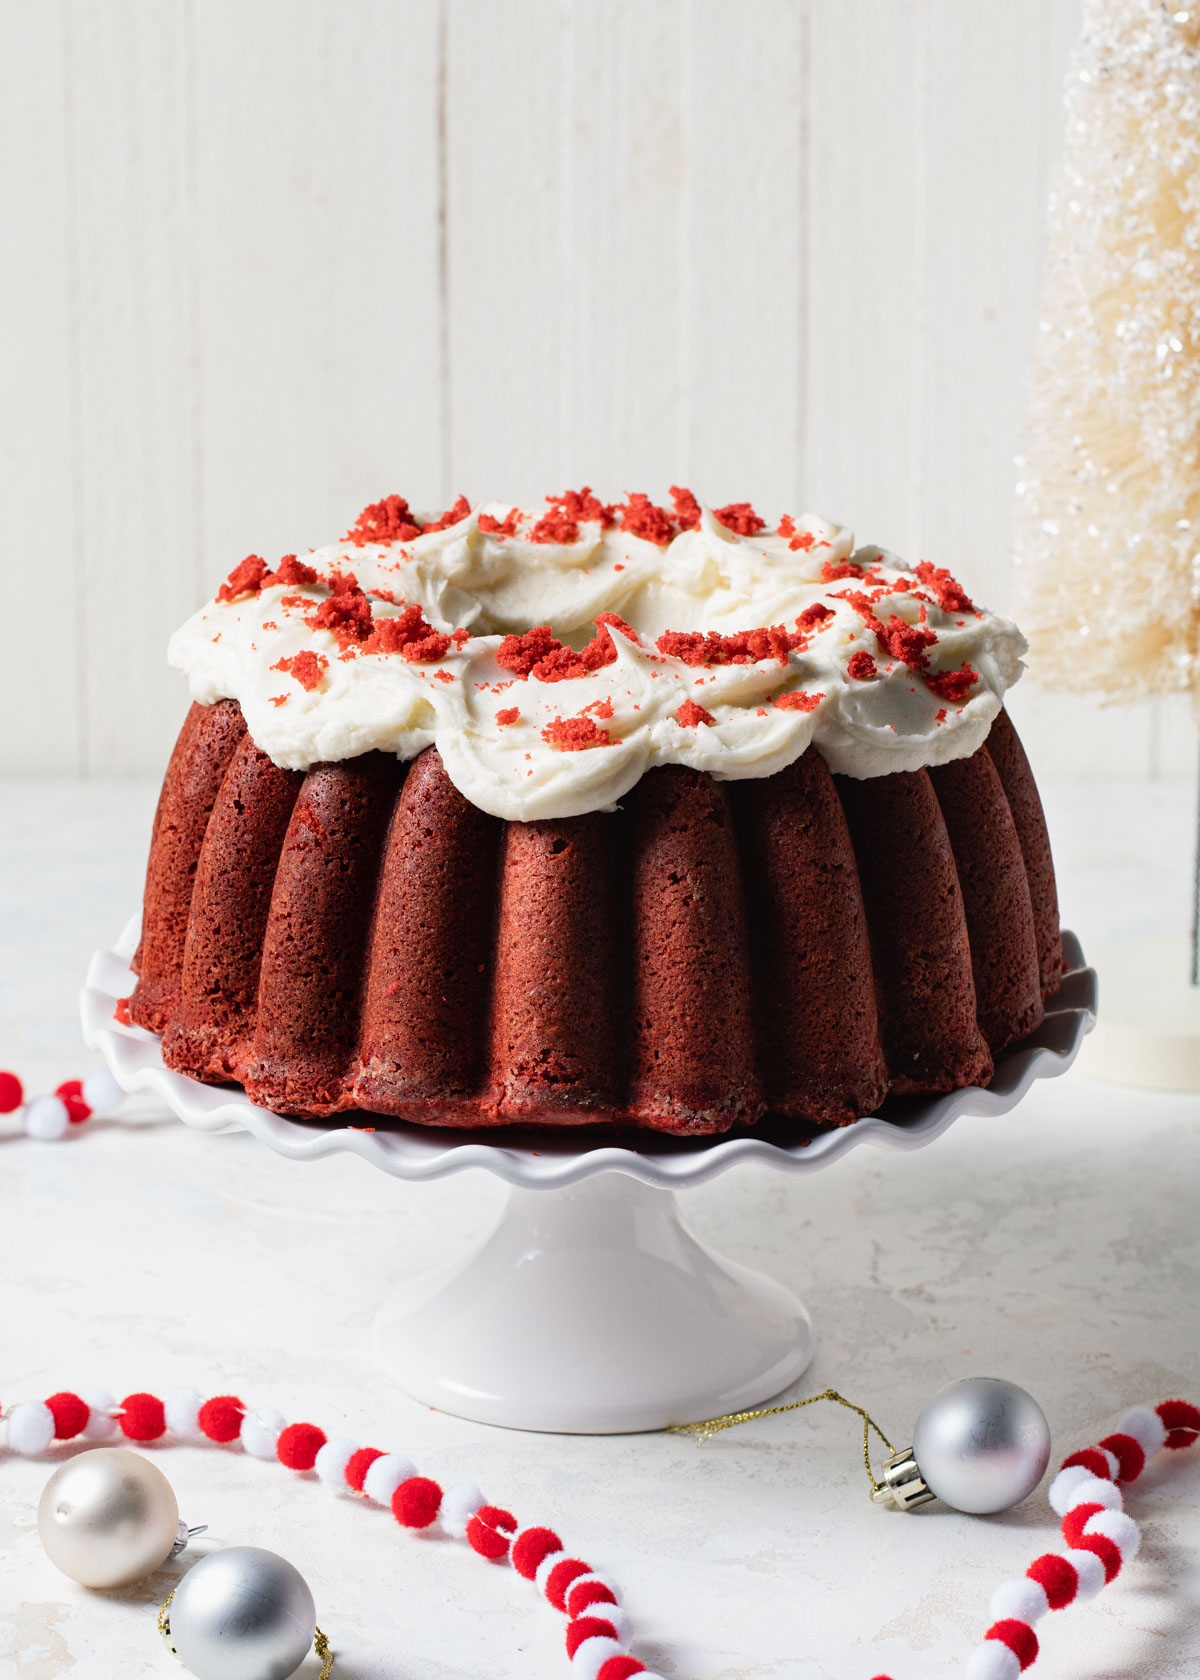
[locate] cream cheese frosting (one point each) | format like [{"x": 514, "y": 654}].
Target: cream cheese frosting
[{"x": 883, "y": 666}]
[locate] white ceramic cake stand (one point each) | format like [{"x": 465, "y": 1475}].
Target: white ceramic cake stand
[{"x": 591, "y": 1308}]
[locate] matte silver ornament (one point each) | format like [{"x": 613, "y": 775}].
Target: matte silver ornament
[
  {"x": 241, "y": 1614},
  {"x": 982, "y": 1444},
  {"x": 108, "y": 1518}
]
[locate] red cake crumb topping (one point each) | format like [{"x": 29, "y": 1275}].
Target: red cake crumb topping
[
  {"x": 408, "y": 634},
  {"x": 576, "y": 734},
  {"x": 121, "y": 1012},
  {"x": 743, "y": 647},
  {"x": 442, "y": 676},
  {"x": 581, "y": 505},
  {"x": 903, "y": 641},
  {"x": 941, "y": 716},
  {"x": 506, "y": 527},
  {"x": 952, "y": 685},
  {"x": 739, "y": 517},
  {"x": 831, "y": 570},
  {"x": 278, "y": 699},
  {"x": 507, "y": 715},
  {"x": 459, "y": 637},
  {"x": 555, "y": 527},
  {"x": 538, "y": 654},
  {"x": 246, "y": 578},
  {"x": 307, "y": 668},
  {"x": 798, "y": 701},
  {"x": 346, "y": 612},
  {"x": 291, "y": 572},
  {"x": 388, "y": 521},
  {"x": 641, "y": 518},
  {"x": 522, "y": 653},
  {"x": 453, "y": 516},
  {"x": 687, "y": 508},
  {"x": 862, "y": 667},
  {"x": 813, "y": 616},
  {"x": 951, "y": 596},
  {"x": 691, "y": 716},
  {"x": 598, "y": 708},
  {"x": 799, "y": 539}
]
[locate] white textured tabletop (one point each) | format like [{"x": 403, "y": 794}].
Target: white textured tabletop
[{"x": 1058, "y": 1246}]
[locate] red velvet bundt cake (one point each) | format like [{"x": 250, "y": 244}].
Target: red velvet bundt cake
[{"x": 595, "y": 814}]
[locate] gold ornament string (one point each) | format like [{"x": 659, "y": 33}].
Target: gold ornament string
[
  {"x": 320, "y": 1643},
  {"x": 708, "y": 1427}
]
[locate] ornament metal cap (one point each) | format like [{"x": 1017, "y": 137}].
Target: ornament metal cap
[{"x": 903, "y": 1484}]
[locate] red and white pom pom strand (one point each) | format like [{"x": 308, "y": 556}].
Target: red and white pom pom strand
[
  {"x": 50, "y": 1117},
  {"x": 1099, "y": 1536},
  {"x": 597, "y": 1626}
]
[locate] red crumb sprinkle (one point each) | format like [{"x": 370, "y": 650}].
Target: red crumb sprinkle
[
  {"x": 799, "y": 539},
  {"x": 307, "y": 668},
  {"x": 278, "y": 699},
  {"x": 388, "y": 521},
  {"x": 832, "y": 569},
  {"x": 563, "y": 663},
  {"x": 460, "y": 636},
  {"x": 555, "y": 527},
  {"x": 270, "y": 624},
  {"x": 453, "y": 516},
  {"x": 294, "y": 601},
  {"x": 906, "y": 641},
  {"x": 581, "y": 505},
  {"x": 952, "y": 685},
  {"x": 861, "y": 667},
  {"x": 346, "y": 612},
  {"x": 507, "y": 715},
  {"x": 941, "y": 716},
  {"x": 522, "y": 653},
  {"x": 798, "y": 701},
  {"x": 691, "y": 716},
  {"x": 290, "y": 571},
  {"x": 121, "y": 1012},
  {"x": 410, "y": 635},
  {"x": 812, "y": 616},
  {"x": 951, "y": 596},
  {"x": 442, "y": 676},
  {"x": 599, "y": 708},
  {"x": 506, "y": 527},
  {"x": 743, "y": 647},
  {"x": 576, "y": 734},
  {"x": 246, "y": 578},
  {"x": 740, "y": 517},
  {"x": 687, "y": 508},
  {"x": 641, "y": 518}
]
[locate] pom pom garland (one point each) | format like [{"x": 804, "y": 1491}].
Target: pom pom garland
[
  {"x": 1100, "y": 1537},
  {"x": 12, "y": 1093},
  {"x": 50, "y": 1115}
]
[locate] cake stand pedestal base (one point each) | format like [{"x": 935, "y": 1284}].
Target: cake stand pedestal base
[{"x": 593, "y": 1310}]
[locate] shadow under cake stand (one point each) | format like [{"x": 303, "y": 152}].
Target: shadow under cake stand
[{"x": 590, "y": 1309}]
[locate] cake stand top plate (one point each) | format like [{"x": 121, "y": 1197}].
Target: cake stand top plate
[{"x": 532, "y": 1159}]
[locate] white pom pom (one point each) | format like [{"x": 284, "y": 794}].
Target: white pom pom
[
  {"x": 30, "y": 1428},
  {"x": 260, "y": 1431},
  {"x": 591, "y": 1656},
  {"x": 992, "y": 1661},
  {"x": 1146, "y": 1427},
  {"x": 182, "y": 1408},
  {"x": 1120, "y": 1529},
  {"x": 1090, "y": 1572},
  {"x": 99, "y": 1425},
  {"x": 331, "y": 1461},
  {"x": 619, "y": 1618},
  {"x": 1024, "y": 1600},
  {"x": 101, "y": 1092},
  {"x": 46, "y": 1119},
  {"x": 459, "y": 1505},
  {"x": 1096, "y": 1491},
  {"x": 385, "y": 1475},
  {"x": 548, "y": 1563},
  {"x": 1064, "y": 1485}
]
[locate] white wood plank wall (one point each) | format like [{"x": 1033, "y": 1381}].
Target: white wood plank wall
[{"x": 266, "y": 260}]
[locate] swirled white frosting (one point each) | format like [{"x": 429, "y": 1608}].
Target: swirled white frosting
[{"x": 869, "y": 716}]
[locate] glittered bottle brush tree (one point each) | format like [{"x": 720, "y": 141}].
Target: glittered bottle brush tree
[{"x": 1108, "y": 533}]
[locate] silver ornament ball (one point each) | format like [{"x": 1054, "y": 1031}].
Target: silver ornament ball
[
  {"x": 242, "y": 1614},
  {"x": 108, "y": 1518},
  {"x": 982, "y": 1444}
]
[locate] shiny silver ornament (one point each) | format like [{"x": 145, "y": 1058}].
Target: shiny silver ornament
[
  {"x": 109, "y": 1517},
  {"x": 981, "y": 1445},
  {"x": 241, "y": 1614}
]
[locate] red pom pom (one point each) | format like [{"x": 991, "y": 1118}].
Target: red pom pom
[
  {"x": 12, "y": 1094},
  {"x": 1105, "y": 1549},
  {"x": 587, "y": 1593},
  {"x": 1072, "y": 1523},
  {"x": 221, "y": 1418},
  {"x": 484, "y": 1531},
  {"x": 1182, "y": 1420},
  {"x": 1091, "y": 1458},
  {"x": 70, "y": 1093},
  {"x": 416, "y": 1502},
  {"x": 560, "y": 1578},
  {"x": 1129, "y": 1454},
  {"x": 70, "y": 1415},
  {"x": 1057, "y": 1578},
  {"x": 358, "y": 1464},
  {"x": 531, "y": 1547},
  {"x": 298, "y": 1445},
  {"x": 587, "y": 1627},
  {"x": 620, "y": 1668},
  {"x": 143, "y": 1417},
  {"x": 1018, "y": 1636}
]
